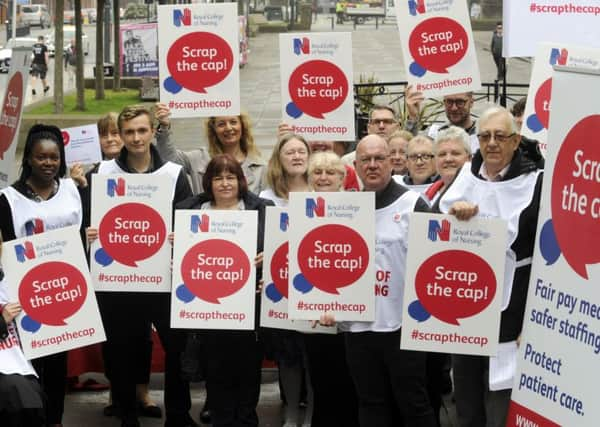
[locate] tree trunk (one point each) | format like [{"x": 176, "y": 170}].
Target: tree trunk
[
  {"x": 117, "y": 44},
  {"x": 59, "y": 103},
  {"x": 80, "y": 104},
  {"x": 100, "y": 50}
]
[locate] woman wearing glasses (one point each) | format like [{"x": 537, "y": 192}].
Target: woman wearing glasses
[{"x": 421, "y": 167}]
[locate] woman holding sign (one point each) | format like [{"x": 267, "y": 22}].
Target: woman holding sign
[
  {"x": 226, "y": 135},
  {"x": 288, "y": 172},
  {"x": 233, "y": 358},
  {"x": 38, "y": 201},
  {"x": 21, "y": 401},
  {"x": 335, "y": 403}
]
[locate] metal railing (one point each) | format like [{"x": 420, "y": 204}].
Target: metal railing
[{"x": 366, "y": 95}]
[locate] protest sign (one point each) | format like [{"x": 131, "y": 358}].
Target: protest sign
[
  {"x": 48, "y": 274},
  {"x": 556, "y": 378},
  {"x": 331, "y": 254},
  {"x": 82, "y": 145},
  {"x": 132, "y": 213},
  {"x": 537, "y": 110},
  {"x": 438, "y": 46},
  {"x": 527, "y": 23},
  {"x": 214, "y": 277},
  {"x": 274, "y": 303},
  {"x": 11, "y": 110},
  {"x": 454, "y": 276},
  {"x": 198, "y": 59},
  {"x": 316, "y": 84}
]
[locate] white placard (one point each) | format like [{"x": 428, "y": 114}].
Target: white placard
[
  {"x": 48, "y": 274},
  {"x": 557, "y": 375},
  {"x": 527, "y": 23},
  {"x": 332, "y": 249},
  {"x": 317, "y": 96},
  {"x": 438, "y": 46},
  {"x": 132, "y": 213},
  {"x": 274, "y": 302},
  {"x": 198, "y": 59},
  {"x": 454, "y": 284},
  {"x": 82, "y": 145},
  {"x": 11, "y": 111},
  {"x": 214, "y": 277},
  {"x": 537, "y": 110}
]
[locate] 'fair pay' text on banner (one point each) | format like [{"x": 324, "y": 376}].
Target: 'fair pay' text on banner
[
  {"x": 132, "y": 213},
  {"x": 214, "y": 276},
  {"x": 198, "y": 59},
  {"x": 455, "y": 271},
  {"x": 48, "y": 274},
  {"x": 10, "y": 112},
  {"x": 537, "y": 110},
  {"x": 316, "y": 84},
  {"x": 556, "y": 383},
  {"x": 274, "y": 303},
  {"x": 438, "y": 46},
  {"x": 332, "y": 240}
]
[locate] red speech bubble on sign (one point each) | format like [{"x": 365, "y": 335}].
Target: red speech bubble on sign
[
  {"x": 542, "y": 102},
  {"x": 52, "y": 291},
  {"x": 214, "y": 269},
  {"x": 576, "y": 195},
  {"x": 279, "y": 269},
  {"x": 438, "y": 43},
  {"x": 455, "y": 284},
  {"x": 11, "y": 112},
  {"x": 132, "y": 232},
  {"x": 318, "y": 87},
  {"x": 332, "y": 256},
  {"x": 199, "y": 60}
]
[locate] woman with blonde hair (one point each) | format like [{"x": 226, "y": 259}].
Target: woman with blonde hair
[
  {"x": 226, "y": 135},
  {"x": 288, "y": 172},
  {"x": 288, "y": 169}
]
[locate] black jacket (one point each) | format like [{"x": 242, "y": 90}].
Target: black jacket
[{"x": 511, "y": 321}]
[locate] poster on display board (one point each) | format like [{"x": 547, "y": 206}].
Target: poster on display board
[
  {"x": 557, "y": 376},
  {"x": 453, "y": 290},
  {"x": 331, "y": 255},
  {"x": 438, "y": 46},
  {"x": 527, "y": 23},
  {"x": 11, "y": 111},
  {"x": 214, "y": 276},
  {"x": 316, "y": 84},
  {"x": 199, "y": 66},
  {"x": 82, "y": 145},
  {"x": 274, "y": 301},
  {"x": 537, "y": 110},
  {"x": 132, "y": 213},
  {"x": 139, "y": 50},
  {"x": 48, "y": 274}
]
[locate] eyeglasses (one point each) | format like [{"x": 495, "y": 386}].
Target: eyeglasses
[
  {"x": 382, "y": 121},
  {"x": 425, "y": 157},
  {"x": 376, "y": 159},
  {"x": 459, "y": 102},
  {"x": 498, "y": 137}
]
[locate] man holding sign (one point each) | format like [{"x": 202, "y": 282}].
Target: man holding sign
[
  {"x": 388, "y": 380},
  {"x": 126, "y": 314}
]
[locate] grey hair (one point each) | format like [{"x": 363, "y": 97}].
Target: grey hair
[
  {"x": 496, "y": 111},
  {"x": 453, "y": 133}
]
